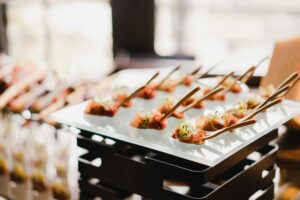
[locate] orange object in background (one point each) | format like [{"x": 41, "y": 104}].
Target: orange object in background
[{"x": 285, "y": 60}]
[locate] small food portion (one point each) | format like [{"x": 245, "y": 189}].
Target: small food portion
[
  {"x": 251, "y": 103},
  {"x": 17, "y": 88},
  {"x": 102, "y": 107},
  {"x": 187, "y": 132},
  {"x": 60, "y": 191},
  {"x": 220, "y": 96},
  {"x": 3, "y": 166},
  {"x": 199, "y": 102},
  {"x": 61, "y": 170},
  {"x": 232, "y": 116},
  {"x": 18, "y": 174},
  {"x": 148, "y": 92},
  {"x": 168, "y": 85},
  {"x": 120, "y": 94},
  {"x": 188, "y": 79},
  {"x": 149, "y": 121},
  {"x": 158, "y": 120},
  {"x": 212, "y": 122},
  {"x": 109, "y": 106},
  {"x": 167, "y": 105},
  {"x": 232, "y": 85},
  {"x": 38, "y": 180},
  {"x": 266, "y": 92}
]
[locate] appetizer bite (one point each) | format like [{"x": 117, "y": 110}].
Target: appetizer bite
[
  {"x": 39, "y": 181},
  {"x": 3, "y": 166},
  {"x": 187, "y": 132},
  {"x": 212, "y": 122},
  {"x": 109, "y": 106},
  {"x": 148, "y": 92},
  {"x": 120, "y": 94},
  {"x": 18, "y": 174},
  {"x": 51, "y": 97},
  {"x": 156, "y": 119},
  {"x": 167, "y": 104},
  {"x": 152, "y": 120},
  {"x": 198, "y": 102},
  {"x": 219, "y": 96},
  {"x": 21, "y": 85},
  {"x": 266, "y": 92},
  {"x": 167, "y": 84},
  {"x": 232, "y": 85},
  {"x": 60, "y": 191},
  {"x": 241, "y": 112},
  {"x": 188, "y": 79},
  {"x": 23, "y": 101}
]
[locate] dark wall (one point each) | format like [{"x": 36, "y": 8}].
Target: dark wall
[
  {"x": 3, "y": 25},
  {"x": 133, "y": 26}
]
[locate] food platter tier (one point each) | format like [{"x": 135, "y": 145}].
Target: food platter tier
[
  {"x": 211, "y": 153},
  {"x": 126, "y": 169}
]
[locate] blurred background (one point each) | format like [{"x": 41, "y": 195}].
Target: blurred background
[
  {"x": 89, "y": 39},
  {"x": 77, "y": 34}
]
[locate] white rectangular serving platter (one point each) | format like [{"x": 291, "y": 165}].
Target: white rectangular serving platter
[{"x": 210, "y": 153}]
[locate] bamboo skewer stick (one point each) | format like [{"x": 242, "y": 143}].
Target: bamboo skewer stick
[
  {"x": 231, "y": 86},
  {"x": 216, "y": 90},
  {"x": 251, "y": 115},
  {"x": 152, "y": 78},
  {"x": 283, "y": 88},
  {"x": 235, "y": 126},
  {"x": 193, "y": 73},
  {"x": 166, "y": 78},
  {"x": 210, "y": 69},
  {"x": 290, "y": 79},
  {"x": 181, "y": 102},
  {"x": 196, "y": 70},
  {"x": 277, "y": 93},
  {"x": 249, "y": 73},
  {"x": 134, "y": 93},
  {"x": 223, "y": 80}
]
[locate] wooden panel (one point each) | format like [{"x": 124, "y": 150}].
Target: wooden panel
[{"x": 285, "y": 60}]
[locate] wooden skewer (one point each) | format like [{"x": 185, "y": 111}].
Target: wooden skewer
[
  {"x": 283, "y": 88},
  {"x": 166, "y": 78},
  {"x": 262, "y": 60},
  {"x": 246, "y": 76},
  {"x": 196, "y": 70},
  {"x": 190, "y": 74},
  {"x": 251, "y": 115},
  {"x": 134, "y": 93},
  {"x": 224, "y": 79},
  {"x": 273, "y": 96},
  {"x": 181, "y": 102},
  {"x": 294, "y": 82},
  {"x": 210, "y": 69},
  {"x": 152, "y": 78},
  {"x": 216, "y": 90},
  {"x": 292, "y": 77},
  {"x": 249, "y": 73},
  {"x": 231, "y": 86},
  {"x": 291, "y": 85},
  {"x": 238, "y": 125}
]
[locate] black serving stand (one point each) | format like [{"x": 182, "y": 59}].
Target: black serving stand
[{"x": 123, "y": 169}]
